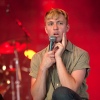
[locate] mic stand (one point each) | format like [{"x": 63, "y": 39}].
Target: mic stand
[
  {"x": 18, "y": 75},
  {"x": 12, "y": 87},
  {"x": 27, "y": 34}
]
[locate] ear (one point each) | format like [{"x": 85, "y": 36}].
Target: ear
[
  {"x": 67, "y": 28},
  {"x": 46, "y": 30}
]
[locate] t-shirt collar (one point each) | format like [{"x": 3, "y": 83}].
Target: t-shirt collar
[{"x": 69, "y": 46}]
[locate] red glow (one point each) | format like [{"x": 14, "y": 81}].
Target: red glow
[{"x": 48, "y": 4}]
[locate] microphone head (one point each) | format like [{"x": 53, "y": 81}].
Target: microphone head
[{"x": 52, "y": 38}]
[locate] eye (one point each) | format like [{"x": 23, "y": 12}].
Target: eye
[
  {"x": 50, "y": 23},
  {"x": 60, "y": 23}
]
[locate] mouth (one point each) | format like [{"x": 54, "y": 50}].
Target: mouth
[{"x": 56, "y": 34}]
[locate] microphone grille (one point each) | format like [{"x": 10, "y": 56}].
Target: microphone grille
[{"x": 52, "y": 38}]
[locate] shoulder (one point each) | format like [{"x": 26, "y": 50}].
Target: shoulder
[
  {"x": 79, "y": 58},
  {"x": 77, "y": 50},
  {"x": 40, "y": 53}
]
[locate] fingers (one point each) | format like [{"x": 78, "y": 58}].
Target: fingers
[
  {"x": 48, "y": 59},
  {"x": 64, "y": 39},
  {"x": 51, "y": 54}
]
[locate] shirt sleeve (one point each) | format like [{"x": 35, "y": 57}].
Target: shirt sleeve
[
  {"x": 34, "y": 66},
  {"x": 83, "y": 62}
]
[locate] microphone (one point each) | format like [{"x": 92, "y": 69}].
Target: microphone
[{"x": 52, "y": 40}]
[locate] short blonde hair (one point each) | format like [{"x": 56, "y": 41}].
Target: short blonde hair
[{"x": 54, "y": 13}]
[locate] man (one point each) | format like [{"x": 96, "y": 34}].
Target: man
[{"x": 59, "y": 74}]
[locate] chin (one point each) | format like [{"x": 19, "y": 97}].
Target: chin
[{"x": 58, "y": 40}]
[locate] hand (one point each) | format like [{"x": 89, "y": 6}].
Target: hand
[
  {"x": 48, "y": 60},
  {"x": 60, "y": 47}
]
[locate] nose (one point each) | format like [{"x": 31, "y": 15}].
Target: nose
[{"x": 55, "y": 27}]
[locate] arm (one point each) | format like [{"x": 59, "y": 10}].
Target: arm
[
  {"x": 38, "y": 85},
  {"x": 38, "y": 89},
  {"x": 74, "y": 80}
]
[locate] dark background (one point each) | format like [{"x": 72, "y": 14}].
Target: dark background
[{"x": 84, "y": 20}]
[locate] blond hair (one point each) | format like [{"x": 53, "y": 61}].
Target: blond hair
[{"x": 54, "y": 13}]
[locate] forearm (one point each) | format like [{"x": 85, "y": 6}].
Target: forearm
[
  {"x": 65, "y": 78},
  {"x": 38, "y": 89}
]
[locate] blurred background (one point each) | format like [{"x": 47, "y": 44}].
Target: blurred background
[{"x": 22, "y": 30}]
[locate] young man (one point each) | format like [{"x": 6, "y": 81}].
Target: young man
[{"x": 59, "y": 74}]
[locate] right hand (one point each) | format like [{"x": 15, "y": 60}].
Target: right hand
[{"x": 48, "y": 60}]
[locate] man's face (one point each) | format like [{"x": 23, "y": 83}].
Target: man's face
[{"x": 56, "y": 27}]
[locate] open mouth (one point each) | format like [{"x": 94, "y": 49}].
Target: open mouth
[{"x": 56, "y": 34}]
